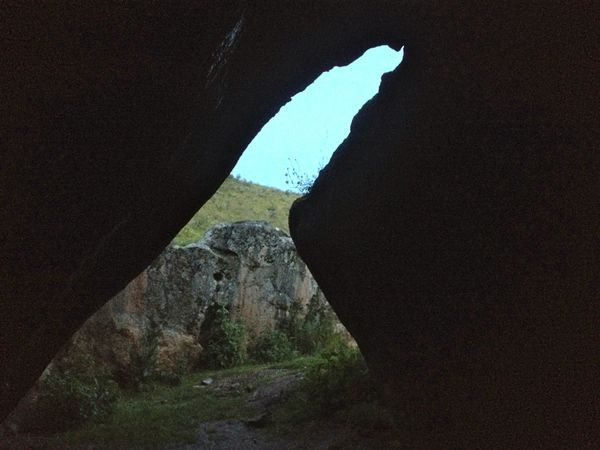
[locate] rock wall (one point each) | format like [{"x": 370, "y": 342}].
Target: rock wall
[{"x": 249, "y": 266}]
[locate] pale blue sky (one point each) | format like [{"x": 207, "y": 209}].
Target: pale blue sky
[{"x": 308, "y": 129}]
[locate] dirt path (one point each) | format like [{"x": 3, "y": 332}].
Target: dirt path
[{"x": 253, "y": 432}]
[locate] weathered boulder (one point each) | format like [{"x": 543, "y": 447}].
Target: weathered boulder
[
  {"x": 456, "y": 232},
  {"x": 251, "y": 267}
]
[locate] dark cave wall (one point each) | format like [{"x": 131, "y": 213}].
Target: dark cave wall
[
  {"x": 459, "y": 221},
  {"x": 456, "y": 231}
]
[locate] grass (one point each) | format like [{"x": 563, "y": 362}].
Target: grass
[
  {"x": 167, "y": 415},
  {"x": 164, "y": 415},
  {"x": 239, "y": 200}
]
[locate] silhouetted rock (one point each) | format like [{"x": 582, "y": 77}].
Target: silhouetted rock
[{"x": 456, "y": 231}]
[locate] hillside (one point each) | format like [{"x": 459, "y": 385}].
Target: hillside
[{"x": 238, "y": 200}]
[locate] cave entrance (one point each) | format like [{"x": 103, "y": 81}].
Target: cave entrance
[
  {"x": 285, "y": 157},
  {"x": 210, "y": 343},
  {"x": 299, "y": 140}
]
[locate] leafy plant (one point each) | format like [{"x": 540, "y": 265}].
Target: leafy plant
[
  {"x": 340, "y": 380},
  {"x": 73, "y": 392},
  {"x": 272, "y": 346},
  {"x": 224, "y": 340},
  {"x": 315, "y": 330}
]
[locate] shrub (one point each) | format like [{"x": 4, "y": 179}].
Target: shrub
[
  {"x": 315, "y": 330},
  {"x": 223, "y": 339},
  {"x": 341, "y": 379},
  {"x": 73, "y": 392},
  {"x": 273, "y": 346}
]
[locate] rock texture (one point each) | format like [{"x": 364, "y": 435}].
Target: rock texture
[
  {"x": 456, "y": 231},
  {"x": 249, "y": 266}
]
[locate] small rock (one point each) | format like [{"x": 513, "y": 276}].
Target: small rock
[{"x": 207, "y": 381}]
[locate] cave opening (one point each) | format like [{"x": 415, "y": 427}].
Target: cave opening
[
  {"x": 300, "y": 139},
  {"x": 178, "y": 340},
  {"x": 285, "y": 157}
]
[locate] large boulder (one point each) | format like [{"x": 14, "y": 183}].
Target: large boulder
[
  {"x": 456, "y": 232},
  {"x": 250, "y": 267}
]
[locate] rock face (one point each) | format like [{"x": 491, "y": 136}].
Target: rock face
[
  {"x": 251, "y": 267},
  {"x": 456, "y": 231}
]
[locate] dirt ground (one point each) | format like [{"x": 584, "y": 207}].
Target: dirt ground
[
  {"x": 259, "y": 432},
  {"x": 267, "y": 389}
]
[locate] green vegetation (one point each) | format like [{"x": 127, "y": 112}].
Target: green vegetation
[
  {"x": 159, "y": 416},
  {"x": 224, "y": 340},
  {"x": 336, "y": 388},
  {"x": 239, "y": 200},
  {"x": 339, "y": 380},
  {"x": 304, "y": 333},
  {"x": 336, "y": 391},
  {"x": 273, "y": 346},
  {"x": 313, "y": 331},
  {"x": 73, "y": 393}
]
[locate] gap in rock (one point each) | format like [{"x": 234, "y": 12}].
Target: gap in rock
[
  {"x": 305, "y": 132},
  {"x": 285, "y": 157}
]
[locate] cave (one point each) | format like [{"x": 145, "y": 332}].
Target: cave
[{"x": 455, "y": 231}]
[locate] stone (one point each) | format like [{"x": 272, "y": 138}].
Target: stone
[{"x": 251, "y": 267}]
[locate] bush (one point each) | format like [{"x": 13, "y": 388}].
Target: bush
[
  {"x": 297, "y": 180},
  {"x": 73, "y": 392},
  {"x": 223, "y": 339},
  {"x": 273, "y": 346},
  {"x": 315, "y": 330},
  {"x": 340, "y": 380}
]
